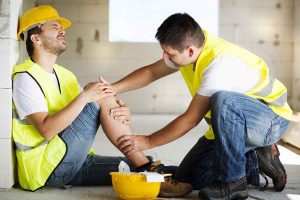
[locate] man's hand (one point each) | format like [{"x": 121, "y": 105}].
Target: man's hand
[
  {"x": 129, "y": 144},
  {"x": 96, "y": 91},
  {"x": 121, "y": 113}
]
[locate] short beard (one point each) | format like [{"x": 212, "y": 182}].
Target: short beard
[{"x": 54, "y": 49}]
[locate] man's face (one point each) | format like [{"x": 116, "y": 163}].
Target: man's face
[
  {"x": 53, "y": 37},
  {"x": 174, "y": 56}
]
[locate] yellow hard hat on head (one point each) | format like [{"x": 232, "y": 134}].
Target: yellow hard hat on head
[{"x": 38, "y": 15}]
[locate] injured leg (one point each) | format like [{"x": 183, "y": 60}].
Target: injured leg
[{"x": 115, "y": 129}]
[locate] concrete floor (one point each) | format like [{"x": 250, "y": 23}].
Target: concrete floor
[{"x": 168, "y": 154}]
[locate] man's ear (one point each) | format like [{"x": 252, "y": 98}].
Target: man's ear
[
  {"x": 190, "y": 51},
  {"x": 35, "y": 39}
]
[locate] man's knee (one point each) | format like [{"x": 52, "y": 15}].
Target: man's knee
[{"x": 108, "y": 103}]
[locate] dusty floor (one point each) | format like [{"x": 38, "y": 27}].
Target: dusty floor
[{"x": 143, "y": 124}]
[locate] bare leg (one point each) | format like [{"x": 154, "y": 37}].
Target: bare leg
[{"x": 115, "y": 129}]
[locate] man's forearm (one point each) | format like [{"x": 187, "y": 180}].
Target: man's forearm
[
  {"x": 51, "y": 125},
  {"x": 143, "y": 76},
  {"x": 135, "y": 80},
  {"x": 174, "y": 130}
]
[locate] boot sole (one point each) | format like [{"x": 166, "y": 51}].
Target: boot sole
[
  {"x": 240, "y": 195},
  {"x": 172, "y": 195},
  {"x": 278, "y": 176}
]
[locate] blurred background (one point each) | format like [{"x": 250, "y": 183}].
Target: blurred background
[{"x": 114, "y": 37}]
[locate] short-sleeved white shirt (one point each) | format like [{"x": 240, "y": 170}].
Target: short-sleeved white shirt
[
  {"x": 28, "y": 96},
  {"x": 228, "y": 73}
]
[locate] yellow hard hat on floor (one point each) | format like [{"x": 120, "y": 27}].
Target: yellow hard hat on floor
[
  {"x": 39, "y": 15},
  {"x": 134, "y": 186}
]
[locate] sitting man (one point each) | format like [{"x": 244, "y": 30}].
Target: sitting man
[{"x": 55, "y": 123}]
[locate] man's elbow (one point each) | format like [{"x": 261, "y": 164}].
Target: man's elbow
[
  {"x": 192, "y": 121},
  {"x": 149, "y": 74},
  {"x": 46, "y": 134}
]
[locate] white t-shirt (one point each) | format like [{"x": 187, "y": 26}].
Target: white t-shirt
[
  {"x": 228, "y": 73},
  {"x": 28, "y": 96}
]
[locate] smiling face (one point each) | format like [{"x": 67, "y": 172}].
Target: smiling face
[{"x": 53, "y": 37}]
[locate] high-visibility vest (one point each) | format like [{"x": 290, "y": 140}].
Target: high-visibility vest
[
  {"x": 37, "y": 158},
  {"x": 269, "y": 89}
]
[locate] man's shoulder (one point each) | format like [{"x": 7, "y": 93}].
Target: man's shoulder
[
  {"x": 24, "y": 63},
  {"x": 23, "y": 78},
  {"x": 22, "y": 67}
]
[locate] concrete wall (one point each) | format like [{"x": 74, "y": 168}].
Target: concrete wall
[
  {"x": 296, "y": 68},
  {"x": 9, "y": 55},
  {"x": 89, "y": 56},
  {"x": 264, "y": 27}
]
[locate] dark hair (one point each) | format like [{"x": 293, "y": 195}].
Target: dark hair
[
  {"x": 180, "y": 30},
  {"x": 29, "y": 43}
]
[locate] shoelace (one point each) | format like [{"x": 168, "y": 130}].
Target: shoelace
[
  {"x": 168, "y": 178},
  {"x": 156, "y": 169},
  {"x": 263, "y": 187}
]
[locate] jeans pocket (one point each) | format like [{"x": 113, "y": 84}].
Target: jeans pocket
[
  {"x": 64, "y": 171},
  {"x": 275, "y": 131}
]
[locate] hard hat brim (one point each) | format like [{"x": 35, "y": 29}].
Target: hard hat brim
[{"x": 63, "y": 22}]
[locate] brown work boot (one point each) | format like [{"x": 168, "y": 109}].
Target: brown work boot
[{"x": 171, "y": 187}]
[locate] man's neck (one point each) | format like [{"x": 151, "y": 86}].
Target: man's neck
[
  {"x": 197, "y": 54},
  {"x": 45, "y": 60}
]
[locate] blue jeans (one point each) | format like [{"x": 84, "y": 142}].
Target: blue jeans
[
  {"x": 240, "y": 124},
  {"x": 77, "y": 167}
]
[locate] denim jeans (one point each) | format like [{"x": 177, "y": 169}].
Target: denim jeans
[
  {"x": 78, "y": 167},
  {"x": 240, "y": 124}
]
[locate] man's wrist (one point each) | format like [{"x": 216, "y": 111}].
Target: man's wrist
[
  {"x": 149, "y": 142},
  {"x": 117, "y": 88},
  {"x": 82, "y": 99}
]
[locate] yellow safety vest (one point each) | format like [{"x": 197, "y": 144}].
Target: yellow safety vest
[
  {"x": 37, "y": 158},
  {"x": 269, "y": 89}
]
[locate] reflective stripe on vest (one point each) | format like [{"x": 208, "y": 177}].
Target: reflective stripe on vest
[
  {"x": 15, "y": 116},
  {"x": 269, "y": 90},
  {"x": 37, "y": 158},
  {"x": 21, "y": 147}
]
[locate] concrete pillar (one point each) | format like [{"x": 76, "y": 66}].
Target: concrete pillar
[
  {"x": 296, "y": 68},
  {"x": 9, "y": 56}
]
